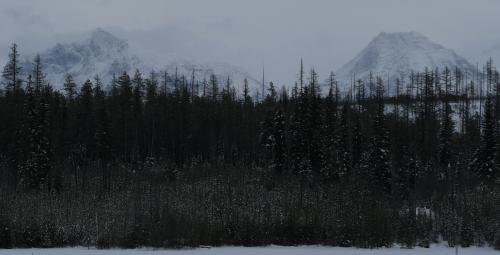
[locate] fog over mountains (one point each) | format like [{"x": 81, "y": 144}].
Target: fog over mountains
[
  {"x": 389, "y": 55},
  {"x": 105, "y": 55}
]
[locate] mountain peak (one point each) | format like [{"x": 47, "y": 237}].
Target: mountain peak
[
  {"x": 401, "y": 34},
  {"x": 403, "y": 39},
  {"x": 399, "y": 53},
  {"x": 104, "y": 40},
  {"x": 104, "y": 54},
  {"x": 407, "y": 38}
]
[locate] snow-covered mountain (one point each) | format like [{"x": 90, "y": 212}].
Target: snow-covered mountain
[
  {"x": 493, "y": 53},
  {"x": 104, "y": 54},
  {"x": 397, "y": 54}
]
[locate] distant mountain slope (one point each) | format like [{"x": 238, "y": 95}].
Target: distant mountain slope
[
  {"x": 396, "y": 54},
  {"x": 493, "y": 53},
  {"x": 104, "y": 54}
]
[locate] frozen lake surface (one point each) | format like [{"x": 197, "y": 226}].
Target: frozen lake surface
[{"x": 270, "y": 250}]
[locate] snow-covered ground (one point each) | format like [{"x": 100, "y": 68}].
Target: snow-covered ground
[{"x": 270, "y": 250}]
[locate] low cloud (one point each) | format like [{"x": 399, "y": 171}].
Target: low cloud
[{"x": 254, "y": 33}]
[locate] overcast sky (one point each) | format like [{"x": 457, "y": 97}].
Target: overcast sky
[{"x": 253, "y": 33}]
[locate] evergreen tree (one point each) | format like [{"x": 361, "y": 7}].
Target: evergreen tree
[
  {"x": 445, "y": 137},
  {"x": 138, "y": 92},
  {"x": 38, "y": 164},
  {"x": 102, "y": 138},
  {"x": 151, "y": 111},
  {"x": 446, "y": 81},
  {"x": 137, "y": 105},
  {"x": 484, "y": 161},
  {"x": 299, "y": 151},
  {"x": 272, "y": 95},
  {"x": 70, "y": 87},
  {"x": 114, "y": 87},
  {"x": 314, "y": 137},
  {"x": 343, "y": 157},
  {"x": 124, "y": 119},
  {"x": 151, "y": 88},
  {"x": 358, "y": 143},
  {"x": 378, "y": 165},
  {"x": 214, "y": 87},
  {"x": 12, "y": 70},
  {"x": 38, "y": 75},
  {"x": 329, "y": 133},
  {"x": 86, "y": 127},
  {"x": 11, "y": 120},
  {"x": 279, "y": 150},
  {"x": 247, "y": 100}
]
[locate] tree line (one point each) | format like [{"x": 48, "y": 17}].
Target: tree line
[{"x": 169, "y": 161}]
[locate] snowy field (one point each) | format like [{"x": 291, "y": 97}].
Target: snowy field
[{"x": 271, "y": 250}]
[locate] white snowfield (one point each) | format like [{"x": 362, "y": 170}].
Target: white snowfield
[{"x": 269, "y": 250}]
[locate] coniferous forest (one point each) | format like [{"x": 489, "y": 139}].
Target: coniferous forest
[{"x": 167, "y": 160}]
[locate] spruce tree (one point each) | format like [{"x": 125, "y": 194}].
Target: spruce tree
[
  {"x": 151, "y": 111},
  {"x": 102, "y": 138},
  {"x": 137, "y": 105},
  {"x": 151, "y": 88},
  {"x": 378, "y": 165},
  {"x": 124, "y": 123},
  {"x": 314, "y": 123},
  {"x": 343, "y": 157},
  {"x": 299, "y": 128},
  {"x": 86, "y": 127},
  {"x": 38, "y": 75},
  {"x": 279, "y": 143},
  {"x": 445, "y": 136},
  {"x": 214, "y": 88},
  {"x": 329, "y": 133},
  {"x": 138, "y": 92},
  {"x": 272, "y": 95},
  {"x": 12, "y": 103},
  {"x": 12, "y": 71},
  {"x": 70, "y": 87},
  {"x": 36, "y": 169},
  {"x": 358, "y": 142},
  {"x": 484, "y": 160},
  {"x": 247, "y": 100}
]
